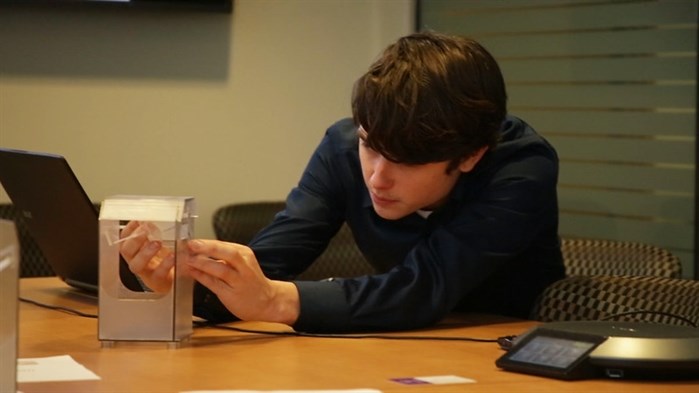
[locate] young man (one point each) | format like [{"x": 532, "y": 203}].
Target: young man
[{"x": 450, "y": 199}]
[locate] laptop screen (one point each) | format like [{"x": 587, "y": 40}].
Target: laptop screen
[{"x": 58, "y": 213}]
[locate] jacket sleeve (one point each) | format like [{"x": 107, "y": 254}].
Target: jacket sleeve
[{"x": 313, "y": 214}]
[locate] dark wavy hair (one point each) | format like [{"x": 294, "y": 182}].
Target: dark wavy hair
[{"x": 431, "y": 97}]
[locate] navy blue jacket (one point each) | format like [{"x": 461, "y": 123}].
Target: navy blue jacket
[{"x": 492, "y": 248}]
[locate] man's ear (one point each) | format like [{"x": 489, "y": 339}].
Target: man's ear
[{"x": 469, "y": 163}]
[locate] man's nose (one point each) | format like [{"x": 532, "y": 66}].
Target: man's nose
[{"x": 382, "y": 177}]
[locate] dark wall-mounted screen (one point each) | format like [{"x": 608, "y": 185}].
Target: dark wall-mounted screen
[{"x": 184, "y": 5}]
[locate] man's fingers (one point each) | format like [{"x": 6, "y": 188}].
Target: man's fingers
[
  {"x": 216, "y": 268},
  {"x": 140, "y": 262},
  {"x": 219, "y": 250},
  {"x": 214, "y": 284},
  {"x": 164, "y": 268},
  {"x": 129, "y": 228},
  {"x": 130, "y": 247}
]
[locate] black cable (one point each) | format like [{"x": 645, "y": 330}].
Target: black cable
[
  {"x": 279, "y": 333},
  {"x": 665, "y": 314},
  {"x": 58, "y": 308},
  {"x": 344, "y": 336},
  {"x": 504, "y": 342}
]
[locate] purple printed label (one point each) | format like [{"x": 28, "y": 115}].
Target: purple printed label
[{"x": 409, "y": 381}]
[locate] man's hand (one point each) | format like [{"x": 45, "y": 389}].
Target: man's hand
[
  {"x": 232, "y": 272},
  {"x": 149, "y": 260}
]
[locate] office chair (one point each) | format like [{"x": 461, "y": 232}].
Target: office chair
[
  {"x": 240, "y": 222},
  {"x": 588, "y": 257},
  {"x": 622, "y": 298},
  {"x": 32, "y": 260}
]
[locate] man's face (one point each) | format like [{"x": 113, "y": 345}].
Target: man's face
[{"x": 398, "y": 190}]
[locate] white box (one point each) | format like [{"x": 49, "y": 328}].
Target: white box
[{"x": 142, "y": 315}]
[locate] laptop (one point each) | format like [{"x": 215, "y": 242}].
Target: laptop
[{"x": 58, "y": 214}]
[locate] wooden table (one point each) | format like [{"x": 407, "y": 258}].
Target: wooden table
[{"x": 217, "y": 359}]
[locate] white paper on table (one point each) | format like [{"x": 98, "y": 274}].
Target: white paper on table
[{"x": 52, "y": 368}]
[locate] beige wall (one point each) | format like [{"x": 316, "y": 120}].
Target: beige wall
[{"x": 224, "y": 107}]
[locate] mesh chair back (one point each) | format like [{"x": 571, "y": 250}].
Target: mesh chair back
[
  {"x": 652, "y": 299},
  {"x": 240, "y": 222},
  {"x": 611, "y": 257},
  {"x": 32, "y": 260}
]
